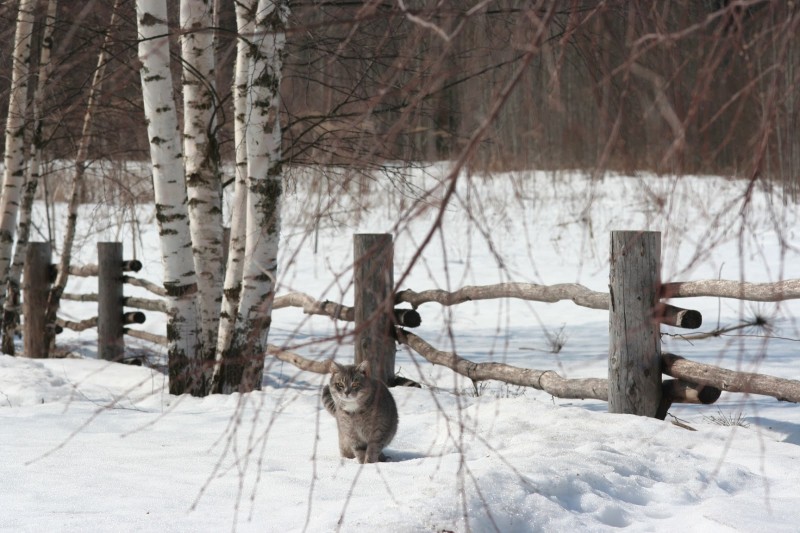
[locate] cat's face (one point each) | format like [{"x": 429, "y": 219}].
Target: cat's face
[{"x": 348, "y": 384}]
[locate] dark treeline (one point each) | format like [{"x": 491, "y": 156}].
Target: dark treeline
[{"x": 680, "y": 86}]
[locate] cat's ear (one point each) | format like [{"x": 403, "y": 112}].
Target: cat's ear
[
  {"x": 335, "y": 367},
  {"x": 363, "y": 367}
]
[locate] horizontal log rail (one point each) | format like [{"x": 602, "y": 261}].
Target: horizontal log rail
[
  {"x": 148, "y": 304},
  {"x": 545, "y": 380},
  {"x": 145, "y": 284},
  {"x": 578, "y": 294},
  {"x": 87, "y": 271},
  {"x": 146, "y": 336},
  {"x": 88, "y": 297},
  {"x": 787, "y": 390},
  {"x": 741, "y": 290},
  {"x": 80, "y": 325}
]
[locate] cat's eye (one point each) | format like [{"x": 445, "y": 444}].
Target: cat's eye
[
  {"x": 355, "y": 385},
  {"x": 339, "y": 386}
]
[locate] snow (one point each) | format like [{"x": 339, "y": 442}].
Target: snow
[{"x": 89, "y": 445}]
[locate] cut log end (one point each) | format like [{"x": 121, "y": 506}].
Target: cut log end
[
  {"x": 678, "y": 317},
  {"x": 408, "y": 318}
]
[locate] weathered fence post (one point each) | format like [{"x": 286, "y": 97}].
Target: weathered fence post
[
  {"x": 374, "y": 304},
  {"x": 35, "y": 289},
  {"x": 110, "y": 339},
  {"x": 634, "y": 358}
]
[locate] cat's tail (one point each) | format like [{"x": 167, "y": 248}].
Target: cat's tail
[{"x": 327, "y": 400}]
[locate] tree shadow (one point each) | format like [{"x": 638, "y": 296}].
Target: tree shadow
[
  {"x": 397, "y": 456},
  {"x": 790, "y": 429}
]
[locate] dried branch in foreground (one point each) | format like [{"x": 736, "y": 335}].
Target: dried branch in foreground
[
  {"x": 545, "y": 380},
  {"x": 757, "y": 292},
  {"x": 787, "y": 390}
]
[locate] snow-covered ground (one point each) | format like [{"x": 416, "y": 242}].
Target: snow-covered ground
[{"x": 93, "y": 446}]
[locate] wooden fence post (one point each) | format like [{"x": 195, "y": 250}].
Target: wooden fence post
[
  {"x": 634, "y": 358},
  {"x": 35, "y": 289},
  {"x": 374, "y": 304},
  {"x": 110, "y": 338}
]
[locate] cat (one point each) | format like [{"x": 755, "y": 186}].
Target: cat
[{"x": 365, "y": 412}]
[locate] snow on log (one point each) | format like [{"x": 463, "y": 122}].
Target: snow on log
[
  {"x": 545, "y": 380},
  {"x": 787, "y": 390}
]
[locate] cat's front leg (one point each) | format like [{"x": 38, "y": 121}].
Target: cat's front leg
[
  {"x": 361, "y": 455},
  {"x": 373, "y": 453}
]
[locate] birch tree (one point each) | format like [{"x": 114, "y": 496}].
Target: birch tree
[
  {"x": 14, "y": 176},
  {"x": 242, "y": 368},
  {"x": 245, "y": 19},
  {"x": 11, "y": 308},
  {"x": 183, "y": 335},
  {"x": 201, "y": 158}
]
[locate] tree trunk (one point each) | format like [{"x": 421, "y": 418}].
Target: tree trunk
[
  {"x": 11, "y": 307},
  {"x": 14, "y": 177},
  {"x": 169, "y": 185},
  {"x": 202, "y": 167},
  {"x": 242, "y": 371},
  {"x": 245, "y": 23}
]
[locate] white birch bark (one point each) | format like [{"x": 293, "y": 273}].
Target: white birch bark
[
  {"x": 201, "y": 158},
  {"x": 265, "y": 188},
  {"x": 185, "y": 367},
  {"x": 245, "y": 20},
  {"x": 14, "y": 176},
  {"x": 11, "y": 309}
]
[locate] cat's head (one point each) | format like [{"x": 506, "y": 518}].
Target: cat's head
[{"x": 349, "y": 383}]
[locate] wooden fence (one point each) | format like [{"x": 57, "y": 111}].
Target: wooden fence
[
  {"x": 111, "y": 318},
  {"x": 636, "y": 364}
]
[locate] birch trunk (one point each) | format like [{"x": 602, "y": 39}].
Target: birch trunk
[
  {"x": 169, "y": 185},
  {"x": 243, "y": 369},
  {"x": 14, "y": 177},
  {"x": 11, "y": 308},
  {"x": 54, "y": 299},
  {"x": 201, "y": 158},
  {"x": 245, "y": 21}
]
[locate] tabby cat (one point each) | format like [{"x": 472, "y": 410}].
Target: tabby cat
[{"x": 364, "y": 409}]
